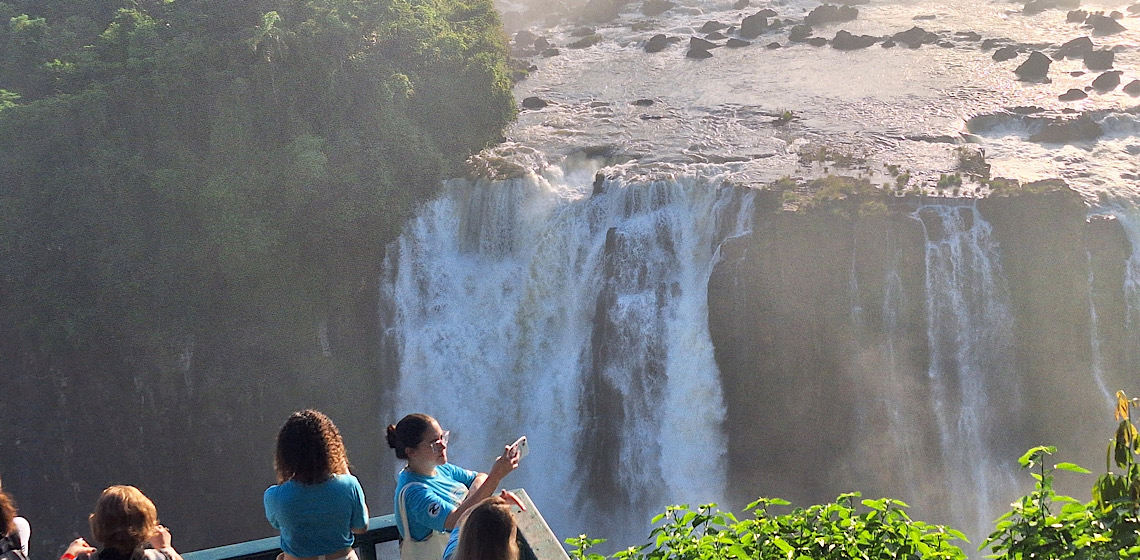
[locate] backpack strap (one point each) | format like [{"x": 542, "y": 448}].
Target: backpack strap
[{"x": 404, "y": 508}]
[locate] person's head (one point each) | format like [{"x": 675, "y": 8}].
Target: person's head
[
  {"x": 123, "y": 519},
  {"x": 309, "y": 449},
  {"x": 7, "y": 513},
  {"x": 489, "y": 532},
  {"x": 418, "y": 437}
]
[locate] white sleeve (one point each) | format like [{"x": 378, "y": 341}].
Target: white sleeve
[{"x": 24, "y": 531}]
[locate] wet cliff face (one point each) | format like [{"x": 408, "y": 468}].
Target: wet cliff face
[{"x": 834, "y": 380}]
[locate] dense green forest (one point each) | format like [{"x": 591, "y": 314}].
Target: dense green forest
[
  {"x": 164, "y": 159},
  {"x": 195, "y": 200}
]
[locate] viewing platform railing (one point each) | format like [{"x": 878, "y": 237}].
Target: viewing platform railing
[{"x": 536, "y": 540}]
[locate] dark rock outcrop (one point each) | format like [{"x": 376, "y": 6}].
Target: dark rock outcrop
[
  {"x": 715, "y": 36},
  {"x": 1075, "y": 48},
  {"x": 1005, "y": 53},
  {"x": 712, "y": 25},
  {"x": 1103, "y": 25},
  {"x": 659, "y": 42},
  {"x": 1099, "y": 60},
  {"x": 845, "y": 41},
  {"x": 1064, "y": 131},
  {"x": 698, "y": 54},
  {"x": 1035, "y": 68},
  {"x": 585, "y": 42},
  {"x": 829, "y": 13},
  {"x": 740, "y": 4},
  {"x": 534, "y": 103},
  {"x": 1076, "y": 16},
  {"x": 1133, "y": 88},
  {"x": 799, "y": 33},
  {"x": 1107, "y": 81},
  {"x": 816, "y": 41},
  {"x": 1073, "y": 95},
  {"x": 915, "y": 37},
  {"x": 752, "y": 26},
  {"x": 654, "y": 8},
  {"x": 735, "y": 43}
]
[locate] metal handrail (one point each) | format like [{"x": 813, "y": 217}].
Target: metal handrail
[{"x": 380, "y": 529}]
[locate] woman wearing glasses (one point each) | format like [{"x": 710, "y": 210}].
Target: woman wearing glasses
[{"x": 432, "y": 494}]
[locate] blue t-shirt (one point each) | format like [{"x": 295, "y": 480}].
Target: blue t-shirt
[
  {"x": 430, "y": 502},
  {"x": 316, "y": 519}
]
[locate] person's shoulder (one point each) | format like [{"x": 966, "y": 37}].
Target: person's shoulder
[
  {"x": 455, "y": 472},
  {"x": 348, "y": 480}
]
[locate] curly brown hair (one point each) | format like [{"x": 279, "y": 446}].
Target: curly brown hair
[
  {"x": 309, "y": 449},
  {"x": 489, "y": 533},
  {"x": 124, "y": 518},
  {"x": 8, "y": 513}
]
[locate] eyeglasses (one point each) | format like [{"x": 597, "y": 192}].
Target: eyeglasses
[{"x": 441, "y": 442}]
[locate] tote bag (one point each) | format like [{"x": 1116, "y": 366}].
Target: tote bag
[{"x": 430, "y": 548}]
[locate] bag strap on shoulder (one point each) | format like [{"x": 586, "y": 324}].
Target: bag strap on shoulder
[{"x": 404, "y": 508}]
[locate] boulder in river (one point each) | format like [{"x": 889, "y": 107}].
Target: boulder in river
[
  {"x": 735, "y": 43},
  {"x": 1035, "y": 68},
  {"x": 1103, "y": 25},
  {"x": 1037, "y": 6},
  {"x": 1074, "y": 48},
  {"x": 585, "y": 42},
  {"x": 915, "y": 37},
  {"x": 816, "y": 41},
  {"x": 1076, "y": 16},
  {"x": 752, "y": 26},
  {"x": 701, "y": 44},
  {"x": 1099, "y": 60},
  {"x": 767, "y": 12},
  {"x": 740, "y": 4},
  {"x": 799, "y": 33},
  {"x": 1107, "y": 81},
  {"x": 711, "y": 26},
  {"x": 1133, "y": 88},
  {"x": 1073, "y": 95},
  {"x": 699, "y": 54},
  {"x": 533, "y": 103},
  {"x": 716, "y": 36},
  {"x": 654, "y": 8},
  {"x": 829, "y": 13},
  {"x": 845, "y": 41},
  {"x": 1063, "y": 131},
  {"x": 772, "y": 46},
  {"x": 1005, "y": 53},
  {"x": 658, "y": 43}
]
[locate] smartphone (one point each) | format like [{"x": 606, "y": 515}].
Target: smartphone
[{"x": 521, "y": 446}]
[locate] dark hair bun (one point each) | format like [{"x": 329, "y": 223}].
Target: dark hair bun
[{"x": 393, "y": 439}]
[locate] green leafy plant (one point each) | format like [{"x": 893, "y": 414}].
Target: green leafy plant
[{"x": 845, "y": 529}]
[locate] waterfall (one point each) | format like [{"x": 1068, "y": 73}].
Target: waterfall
[
  {"x": 971, "y": 345},
  {"x": 575, "y": 314},
  {"x": 1094, "y": 336}
]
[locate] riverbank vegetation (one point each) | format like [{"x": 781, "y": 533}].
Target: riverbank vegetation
[
  {"x": 176, "y": 165},
  {"x": 1039, "y": 525}
]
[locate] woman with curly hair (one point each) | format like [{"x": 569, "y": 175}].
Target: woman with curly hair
[
  {"x": 316, "y": 504},
  {"x": 124, "y": 521},
  {"x": 433, "y": 494},
  {"x": 14, "y": 530}
]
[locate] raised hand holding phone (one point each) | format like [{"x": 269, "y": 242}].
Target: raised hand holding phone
[{"x": 520, "y": 447}]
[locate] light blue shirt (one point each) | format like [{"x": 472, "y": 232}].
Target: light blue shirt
[
  {"x": 316, "y": 519},
  {"x": 430, "y": 502}
]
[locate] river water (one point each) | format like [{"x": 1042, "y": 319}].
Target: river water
[{"x": 574, "y": 311}]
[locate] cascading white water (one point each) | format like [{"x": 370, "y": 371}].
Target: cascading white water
[
  {"x": 534, "y": 306},
  {"x": 970, "y": 337},
  {"x": 1127, "y": 218},
  {"x": 1094, "y": 336}
]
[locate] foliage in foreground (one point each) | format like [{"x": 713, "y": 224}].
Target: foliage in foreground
[
  {"x": 871, "y": 529},
  {"x": 1044, "y": 524},
  {"x": 1041, "y": 525}
]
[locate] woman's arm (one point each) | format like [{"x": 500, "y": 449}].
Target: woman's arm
[
  {"x": 485, "y": 484},
  {"x": 160, "y": 540}
]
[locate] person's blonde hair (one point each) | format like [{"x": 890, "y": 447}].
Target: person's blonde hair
[
  {"x": 124, "y": 518},
  {"x": 489, "y": 532}
]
